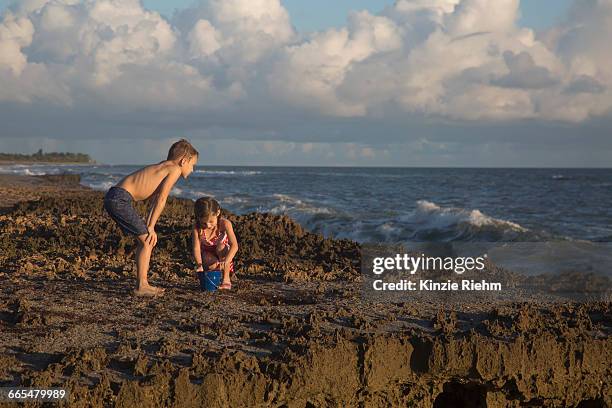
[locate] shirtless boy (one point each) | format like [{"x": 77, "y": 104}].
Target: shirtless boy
[{"x": 154, "y": 183}]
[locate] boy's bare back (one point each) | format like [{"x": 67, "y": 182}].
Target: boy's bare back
[{"x": 143, "y": 183}]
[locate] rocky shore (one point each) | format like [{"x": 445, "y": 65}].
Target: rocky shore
[{"x": 296, "y": 331}]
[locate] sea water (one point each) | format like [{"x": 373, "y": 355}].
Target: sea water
[{"x": 399, "y": 204}]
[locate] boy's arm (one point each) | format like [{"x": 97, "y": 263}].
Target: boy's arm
[
  {"x": 162, "y": 195},
  {"x": 197, "y": 251},
  {"x": 151, "y": 204}
]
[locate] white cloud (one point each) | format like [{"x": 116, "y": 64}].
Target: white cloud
[
  {"x": 524, "y": 73},
  {"x": 204, "y": 39},
  {"x": 582, "y": 44},
  {"x": 466, "y": 60},
  {"x": 311, "y": 73},
  {"x": 239, "y": 31},
  {"x": 473, "y": 16},
  {"x": 15, "y": 34}
]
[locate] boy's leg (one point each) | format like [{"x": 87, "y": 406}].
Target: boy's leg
[
  {"x": 143, "y": 257},
  {"x": 119, "y": 205}
]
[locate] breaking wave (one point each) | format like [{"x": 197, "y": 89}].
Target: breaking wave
[{"x": 433, "y": 223}]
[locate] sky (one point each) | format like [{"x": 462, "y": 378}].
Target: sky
[
  {"x": 310, "y": 15},
  {"x": 353, "y": 83}
]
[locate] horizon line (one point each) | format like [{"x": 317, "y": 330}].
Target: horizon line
[{"x": 367, "y": 166}]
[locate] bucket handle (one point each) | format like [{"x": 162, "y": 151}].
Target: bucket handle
[{"x": 211, "y": 281}]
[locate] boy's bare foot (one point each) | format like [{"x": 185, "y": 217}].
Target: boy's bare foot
[{"x": 148, "y": 290}]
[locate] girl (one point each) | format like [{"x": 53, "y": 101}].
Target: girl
[{"x": 214, "y": 241}]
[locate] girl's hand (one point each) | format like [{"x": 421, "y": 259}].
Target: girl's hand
[{"x": 198, "y": 268}]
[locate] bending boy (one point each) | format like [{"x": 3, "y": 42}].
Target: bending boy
[{"x": 154, "y": 183}]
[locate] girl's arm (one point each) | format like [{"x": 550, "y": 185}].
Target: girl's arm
[
  {"x": 233, "y": 242},
  {"x": 197, "y": 254}
]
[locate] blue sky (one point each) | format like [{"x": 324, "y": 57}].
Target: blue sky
[{"x": 308, "y": 15}]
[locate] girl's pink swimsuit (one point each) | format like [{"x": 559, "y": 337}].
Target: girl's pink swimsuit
[{"x": 210, "y": 246}]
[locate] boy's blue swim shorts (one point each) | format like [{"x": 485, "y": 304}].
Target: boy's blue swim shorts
[{"x": 119, "y": 205}]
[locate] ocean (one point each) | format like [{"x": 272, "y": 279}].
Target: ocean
[{"x": 394, "y": 205}]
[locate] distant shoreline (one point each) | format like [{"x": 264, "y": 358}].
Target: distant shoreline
[{"x": 11, "y": 162}]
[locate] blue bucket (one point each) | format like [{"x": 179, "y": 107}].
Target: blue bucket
[{"x": 209, "y": 280}]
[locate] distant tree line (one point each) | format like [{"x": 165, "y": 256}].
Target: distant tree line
[{"x": 47, "y": 157}]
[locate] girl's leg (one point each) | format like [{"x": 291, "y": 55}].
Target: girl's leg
[
  {"x": 221, "y": 252},
  {"x": 210, "y": 258}
]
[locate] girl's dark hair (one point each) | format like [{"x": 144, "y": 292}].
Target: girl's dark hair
[{"x": 203, "y": 208}]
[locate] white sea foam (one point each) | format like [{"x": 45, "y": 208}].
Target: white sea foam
[
  {"x": 28, "y": 170},
  {"x": 352, "y": 174},
  {"x": 304, "y": 209},
  {"x": 195, "y": 194},
  {"x": 37, "y": 169},
  {"x": 228, "y": 172},
  {"x": 429, "y": 222},
  {"x": 287, "y": 199},
  {"x": 292, "y": 205},
  {"x": 432, "y": 215},
  {"x": 234, "y": 200},
  {"x": 101, "y": 185}
]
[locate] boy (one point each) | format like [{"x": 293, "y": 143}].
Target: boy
[{"x": 153, "y": 182}]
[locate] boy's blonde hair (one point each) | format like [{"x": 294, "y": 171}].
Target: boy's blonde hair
[{"x": 181, "y": 149}]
